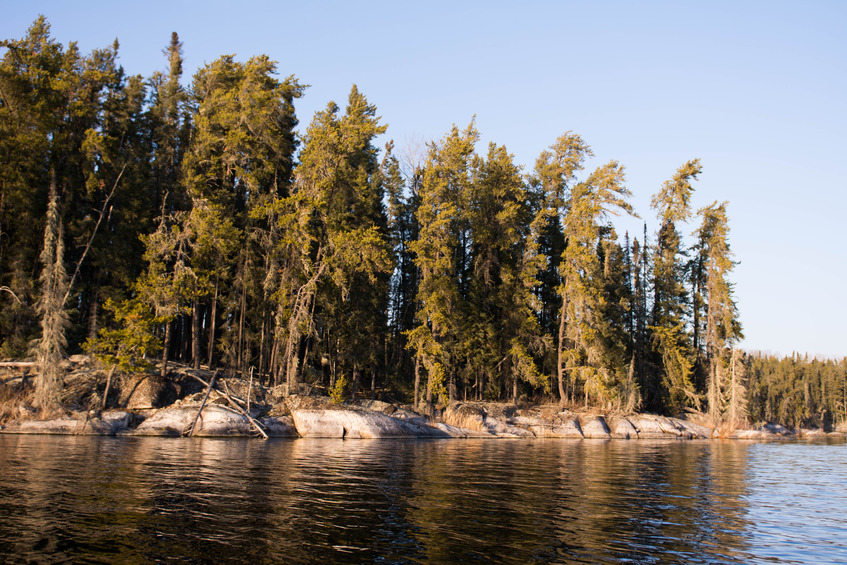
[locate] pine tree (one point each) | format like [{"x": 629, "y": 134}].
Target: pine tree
[
  {"x": 640, "y": 312},
  {"x": 586, "y": 350},
  {"x": 555, "y": 176},
  {"x": 240, "y": 159},
  {"x": 332, "y": 246},
  {"x": 670, "y": 339},
  {"x": 402, "y": 229},
  {"x": 446, "y": 182},
  {"x": 502, "y": 323},
  {"x": 55, "y": 104}
]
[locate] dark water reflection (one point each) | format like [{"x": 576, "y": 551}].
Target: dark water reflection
[{"x": 134, "y": 500}]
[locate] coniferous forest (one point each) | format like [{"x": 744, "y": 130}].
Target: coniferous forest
[{"x": 146, "y": 222}]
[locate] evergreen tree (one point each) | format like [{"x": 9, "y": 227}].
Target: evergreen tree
[
  {"x": 670, "y": 338},
  {"x": 52, "y": 107},
  {"x": 332, "y": 241},
  {"x": 502, "y": 330},
  {"x": 240, "y": 158},
  {"x": 402, "y": 229},
  {"x": 587, "y": 351},
  {"x": 555, "y": 175},
  {"x": 446, "y": 182},
  {"x": 640, "y": 318},
  {"x": 722, "y": 326}
]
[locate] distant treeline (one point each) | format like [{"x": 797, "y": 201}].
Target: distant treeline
[
  {"x": 142, "y": 221},
  {"x": 797, "y": 391}
]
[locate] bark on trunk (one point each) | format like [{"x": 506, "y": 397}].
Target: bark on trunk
[
  {"x": 418, "y": 381},
  {"x": 195, "y": 333},
  {"x": 560, "y": 370},
  {"x": 212, "y": 320},
  {"x": 166, "y": 346}
]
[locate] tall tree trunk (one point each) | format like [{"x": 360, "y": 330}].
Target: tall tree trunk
[
  {"x": 560, "y": 370},
  {"x": 240, "y": 347},
  {"x": 93, "y": 308},
  {"x": 481, "y": 384},
  {"x": 418, "y": 381},
  {"x": 262, "y": 349},
  {"x": 212, "y": 321},
  {"x": 355, "y": 387},
  {"x": 166, "y": 346},
  {"x": 515, "y": 388},
  {"x": 195, "y": 331}
]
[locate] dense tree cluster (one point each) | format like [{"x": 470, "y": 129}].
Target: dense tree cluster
[
  {"x": 797, "y": 391},
  {"x": 143, "y": 220}
]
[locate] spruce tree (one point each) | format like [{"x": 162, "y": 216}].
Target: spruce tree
[
  {"x": 446, "y": 182},
  {"x": 556, "y": 170},
  {"x": 502, "y": 330},
  {"x": 587, "y": 350},
  {"x": 671, "y": 341}
]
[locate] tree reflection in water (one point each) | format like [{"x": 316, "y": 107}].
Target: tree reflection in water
[{"x": 304, "y": 501}]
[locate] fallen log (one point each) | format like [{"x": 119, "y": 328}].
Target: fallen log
[
  {"x": 203, "y": 404},
  {"x": 235, "y": 405},
  {"x": 240, "y": 410}
]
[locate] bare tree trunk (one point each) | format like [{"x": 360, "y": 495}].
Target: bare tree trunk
[
  {"x": 515, "y": 388},
  {"x": 273, "y": 363},
  {"x": 203, "y": 404},
  {"x": 452, "y": 387},
  {"x": 560, "y": 370},
  {"x": 373, "y": 381},
  {"x": 429, "y": 392},
  {"x": 418, "y": 380},
  {"x": 166, "y": 346},
  {"x": 262, "y": 347},
  {"x": 108, "y": 386},
  {"x": 212, "y": 321},
  {"x": 195, "y": 331},
  {"x": 240, "y": 348},
  {"x": 93, "y": 308}
]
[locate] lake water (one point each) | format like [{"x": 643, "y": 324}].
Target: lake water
[{"x": 141, "y": 500}]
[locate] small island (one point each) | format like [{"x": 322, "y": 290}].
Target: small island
[{"x": 159, "y": 227}]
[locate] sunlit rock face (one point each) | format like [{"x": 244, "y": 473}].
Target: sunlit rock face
[
  {"x": 214, "y": 421},
  {"x": 476, "y": 419},
  {"x": 623, "y": 429},
  {"x": 596, "y": 428},
  {"x": 355, "y": 423},
  {"x": 465, "y": 416},
  {"x": 279, "y": 426},
  {"x": 561, "y": 425},
  {"x": 106, "y": 424}
]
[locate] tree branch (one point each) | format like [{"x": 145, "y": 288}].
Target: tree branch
[{"x": 91, "y": 240}]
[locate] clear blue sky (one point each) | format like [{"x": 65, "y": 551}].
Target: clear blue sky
[{"x": 756, "y": 90}]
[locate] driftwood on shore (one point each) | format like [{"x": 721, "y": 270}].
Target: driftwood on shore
[
  {"x": 203, "y": 404},
  {"x": 231, "y": 400}
]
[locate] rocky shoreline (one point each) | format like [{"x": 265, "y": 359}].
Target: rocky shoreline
[
  {"x": 177, "y": 406},
  {"x": 310, "y": 417}
]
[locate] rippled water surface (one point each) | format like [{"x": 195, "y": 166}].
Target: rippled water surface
[{"x": 136, "y": 500}]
